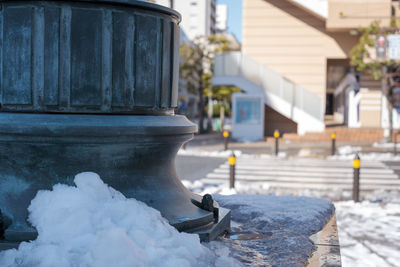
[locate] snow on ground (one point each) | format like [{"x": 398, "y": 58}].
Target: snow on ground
[
  {"x": 266, "y": 228},
  {"x": 345, "y": 150},
  {"x": 385, "y": 145},
  {"x": 369, "y": 232},
  {"x": 94, "y": 225},
  {"x": 225, "y": 154},
  {"x": 259, "y": 188},
  {"x": 205, "y": 153},
  {"x": 349, "y": 152}
]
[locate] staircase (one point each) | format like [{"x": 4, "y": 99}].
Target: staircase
[{"x": 289, "y": 99}]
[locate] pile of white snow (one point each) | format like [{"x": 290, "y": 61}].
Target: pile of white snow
[{"x": 94, "y": 225}]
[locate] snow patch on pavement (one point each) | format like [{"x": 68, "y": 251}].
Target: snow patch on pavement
[
  {"x": 349, "y": 152},
  {"x": 226, "y": 154},
  {"x": 345, "y": 150},
  {"x": 257, "y": 188},
  {"x": 369, "y": 233},
  {"x": 205, "y": 153},
  {"x": 385, "y": 145},
  {"x": 94, "y": 225}
]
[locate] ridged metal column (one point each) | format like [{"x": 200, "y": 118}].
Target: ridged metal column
[{"x": 92, "y": 86}]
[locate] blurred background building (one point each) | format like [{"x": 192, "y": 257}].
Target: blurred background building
[
  {"x": 296, "y": 53},
  {"x": 222, "y": 19},
  {"x": 198, "y": 19},
  {"x": 198, "y": 16}
]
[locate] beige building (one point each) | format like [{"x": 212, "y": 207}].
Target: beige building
[
  {"x": 313, "y": 50},
  {"x": 305, "y": 54}
]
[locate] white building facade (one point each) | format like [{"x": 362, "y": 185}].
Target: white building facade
[
  {"x": 222, "y": 19},
  {"x": 198, "y": 16},
  {"x": 198, "y": 20}
]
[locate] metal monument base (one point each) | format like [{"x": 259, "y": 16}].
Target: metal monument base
[
  {"x": 4, "y": 245},
  {"x": 211, "y": 232},
  {"x": 133, "y": 154},
  {"x": 92, "y": 85}
]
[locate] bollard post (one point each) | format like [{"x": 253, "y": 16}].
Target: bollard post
[
  {"x": 225, "y": 134},
  {"x": 395, "y": 143},
  {"x": 232, "y": 165},
  {"x": 356, "y": 179},
  {"x": 333, "y": 137},
  {"x": 276, "y": 136}
]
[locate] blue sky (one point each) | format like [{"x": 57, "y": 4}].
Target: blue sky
[{"x": 234, "y": 16}]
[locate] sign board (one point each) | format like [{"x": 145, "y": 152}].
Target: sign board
[
  {"x": 247, "y": 117},
  {"x": 394, "y": 46},
  {"x": 248, "y": 111},
  {"x": 380, "y": 45}
]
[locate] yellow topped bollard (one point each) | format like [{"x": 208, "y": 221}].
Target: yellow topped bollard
[
  {"x": 277, "y": 134},
  {"x": 356, "y": 162},
  {"x": 225, "y": 134},
  {"x": 232, "y": 160},
  {"x": 333, "y": 137},
  {"x": 356, "y": 178},
  {"x": 232, "y": 166}
]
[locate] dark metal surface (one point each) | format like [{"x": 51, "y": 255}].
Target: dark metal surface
[
  {"x": 8, "y": 245},
  {"x": 356, "y": 185},
  {"x": 356, "y": 179},
  {"x": 91, "y": 86},
  {"x": 232, "y": 176},
  {"x": 333, "y": 150},
  {"x": 138, "y": 4},
  {"x": 210, "y": 232},
  {"x": 133, "y": 154},
  {"x": 88, "y": 57},
  {"x": 1, "y": 226}
]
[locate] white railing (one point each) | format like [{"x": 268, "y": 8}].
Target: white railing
[{"x": 237, "y": 64}]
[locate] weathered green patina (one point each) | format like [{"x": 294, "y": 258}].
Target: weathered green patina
[{"x": 92, "y": 86}]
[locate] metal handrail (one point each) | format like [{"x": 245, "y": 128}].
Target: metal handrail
[{"x": 237, "y": 64}]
